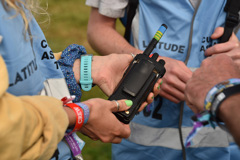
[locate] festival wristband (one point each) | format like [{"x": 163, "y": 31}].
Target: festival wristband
[
  {"x": 220, "y": 97},
  {"x": 75, "y": 144},
  {"x": 85, "y": 111},
  {"x": 79, "y": 116},
  {"x": 217, "y": 89},
  {"x": 213, "y": 100}
]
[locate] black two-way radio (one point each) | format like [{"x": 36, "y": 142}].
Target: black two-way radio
[{"x": 139, "y": 79}]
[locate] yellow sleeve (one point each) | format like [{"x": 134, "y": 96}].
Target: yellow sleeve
[
  {"x": 57, "y": 55},
  {"x": 30, "y": 126}
]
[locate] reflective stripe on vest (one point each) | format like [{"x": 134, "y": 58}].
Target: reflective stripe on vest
[{"x": 169, "y": 137}]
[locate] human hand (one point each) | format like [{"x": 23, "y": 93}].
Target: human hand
[
  {"x": 150, "y": 98},
  {"x": 108, "y": 70},
  {"x": 174, "y": 80},
  {"x": 231, "y": 47},
  {"x": 213, "y": 70},
  {"x": 103, "y": 124}
]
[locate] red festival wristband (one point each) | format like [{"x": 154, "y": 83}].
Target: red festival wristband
[{"x": 79, "y": 116}]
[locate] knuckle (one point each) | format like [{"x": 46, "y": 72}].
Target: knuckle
[
  {"x": 205, "y": 62},
  {"x": 216, "y": 49},
  {"x": 106, "y": 139},
  {"x": 171, "y": 81}
]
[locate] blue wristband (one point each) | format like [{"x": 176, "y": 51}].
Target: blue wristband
[
  {"x": 85, "y": 111},
  {"x": 86, "y": 77}
]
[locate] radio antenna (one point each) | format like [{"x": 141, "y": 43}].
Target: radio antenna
[{"x": 158, "y": 35}]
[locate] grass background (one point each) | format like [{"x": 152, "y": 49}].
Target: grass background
[{"x": 67, "y": 25}]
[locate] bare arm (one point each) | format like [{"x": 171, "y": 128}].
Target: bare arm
[{"x": 104, "y": 38}]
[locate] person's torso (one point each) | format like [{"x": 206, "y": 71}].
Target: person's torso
[{"x": 190, "y": 26}]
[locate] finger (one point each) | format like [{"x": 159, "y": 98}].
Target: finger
[
  {"x": 120, "y": 105},
  {"x": 234, "y": 55},
  {"x": 173, "y": 82},
  {"x": 183, "y": 74},
  {"x": 169, "y": 97},
  {"x": 142, "y": 106},
  {"x": 217, "y": 33},
  {"x": 129, "y": 57},
  {"x": 150, "y": 98},
  {"x": 133, "y": 55},
  {"x": 156, "y": 87},
  {"x": 220, "y": 48},
  {"x": 116, "y": 106},
  {"x": 124, "y": 131},
  {"x": 237, "y": 62},
  {"x": 173, "y": 91},
  {"x": 116, "y": 140},
  {"x": 85, "y": 131}
]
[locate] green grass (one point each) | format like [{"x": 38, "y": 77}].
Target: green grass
[{"x": 68, "y": 25}]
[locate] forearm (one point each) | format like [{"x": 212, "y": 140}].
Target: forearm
[
  {"x": 104, "y": 38},
  {"x": 229, "y": 113},
  {"x": 108, "y": 41}
]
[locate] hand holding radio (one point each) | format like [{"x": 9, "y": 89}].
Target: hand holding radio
[{"x": 139, "y": 79}]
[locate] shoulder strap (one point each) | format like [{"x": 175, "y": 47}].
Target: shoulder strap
[
  {"x": 232, "y": 19},
  {"x": 131, "y": 11}
]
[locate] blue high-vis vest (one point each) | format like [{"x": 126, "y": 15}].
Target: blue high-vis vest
[{"x": 29, "y": 59}]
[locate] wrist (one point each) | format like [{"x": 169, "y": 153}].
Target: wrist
[
  {"x": 76, "y": 70},
  {"x": 95, "y": 69},
  {"x": 86, "y": 111},
  {"x": 71, "y": 116},
  {"x": 219, "y": 94},
  {"x": 225, "y": 90},
  {"x": 79, "y": 117},
  {"x": 229, "y": 107},
  {"x": 70, "y": 56}
]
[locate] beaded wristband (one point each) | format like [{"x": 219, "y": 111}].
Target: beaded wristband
[
  {"x": 79, "y": 116},
  {"x": 85, "y": 111}
]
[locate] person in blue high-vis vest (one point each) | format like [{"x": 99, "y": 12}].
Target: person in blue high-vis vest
[{"x": 155, "y": 132}]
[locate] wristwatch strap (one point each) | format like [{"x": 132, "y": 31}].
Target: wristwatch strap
[{"x": 86, "y": 77}]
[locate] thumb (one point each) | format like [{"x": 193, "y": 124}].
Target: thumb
[
  {"x": 217, "y": 33},
  {"x": 120, "y": 105}
]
